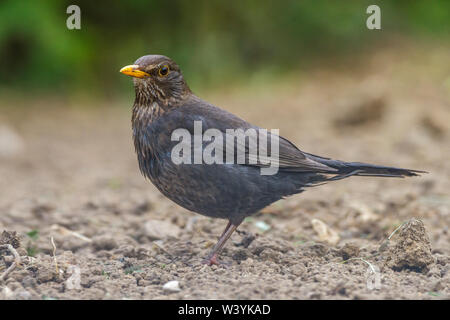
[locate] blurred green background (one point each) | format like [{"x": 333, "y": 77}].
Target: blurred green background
[{"x": 216, "y": 42}]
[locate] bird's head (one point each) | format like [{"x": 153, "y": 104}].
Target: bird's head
[{"x": 157, "y": 79}]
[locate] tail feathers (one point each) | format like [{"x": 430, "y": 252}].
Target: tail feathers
[{"x": 347, "y": 169}]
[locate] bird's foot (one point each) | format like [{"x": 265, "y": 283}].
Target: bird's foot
[{"x": 213, "y": 260}]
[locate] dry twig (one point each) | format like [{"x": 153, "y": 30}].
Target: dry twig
[
  {"x": 13, "y": 265},
  {"x": 65, "y": 231},
  {"x": 54, "y": 256}
]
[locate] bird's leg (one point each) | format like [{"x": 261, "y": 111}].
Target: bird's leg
[
  {"x": 212, "y": 257},
  {"x": 225, "y": 230}
]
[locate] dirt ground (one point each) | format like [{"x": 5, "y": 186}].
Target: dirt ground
[{"x": 89, "y": 226}]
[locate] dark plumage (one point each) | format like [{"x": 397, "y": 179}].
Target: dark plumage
[{"x": 164, "y": 103}]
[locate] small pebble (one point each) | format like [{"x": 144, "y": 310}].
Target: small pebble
[
  {"x": 262, "y": 226},
  {"x": 325, "y": 233},
  {"x": 172, "y": 286}
]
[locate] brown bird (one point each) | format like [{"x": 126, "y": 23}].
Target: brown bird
[{"x": 228, "y": 190}]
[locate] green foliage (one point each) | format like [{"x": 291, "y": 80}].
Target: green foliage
[
  {"x": 214, "y": 41},
  {"x": 32, "y": 249},
  {"x": 33, "y": 234}
]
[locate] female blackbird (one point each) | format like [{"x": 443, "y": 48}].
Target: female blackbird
[{"x": 228, "y": 190}]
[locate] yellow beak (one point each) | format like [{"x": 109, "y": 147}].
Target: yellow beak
[{"x": 133, "y": 71}]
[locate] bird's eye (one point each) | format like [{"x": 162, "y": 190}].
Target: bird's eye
[{"x": 163, "y": 71}]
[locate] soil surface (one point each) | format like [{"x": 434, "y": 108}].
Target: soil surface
[{"x": 87, "y": 225}]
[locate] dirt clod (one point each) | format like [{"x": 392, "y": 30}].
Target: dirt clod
[
  {"x": 412, "y": 250},
  {"x": 348, "y": 251},
  {"x": 240, "y": 255},
  {"x": 317, "y": 249},
  {"x": 246, "y": 240},
  {"x": 104, "y": 243},
  {"x": 10, "y": 237}
]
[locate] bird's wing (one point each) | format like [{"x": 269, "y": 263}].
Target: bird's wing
[
  {"x": 287, "y": 156},
  {"x": 272, "y": 150}
]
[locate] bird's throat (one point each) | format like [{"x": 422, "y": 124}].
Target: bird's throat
[{"x": 145, "y": 114}]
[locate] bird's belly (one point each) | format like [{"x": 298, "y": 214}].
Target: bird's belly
[{"x": 217, "y": 190}]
